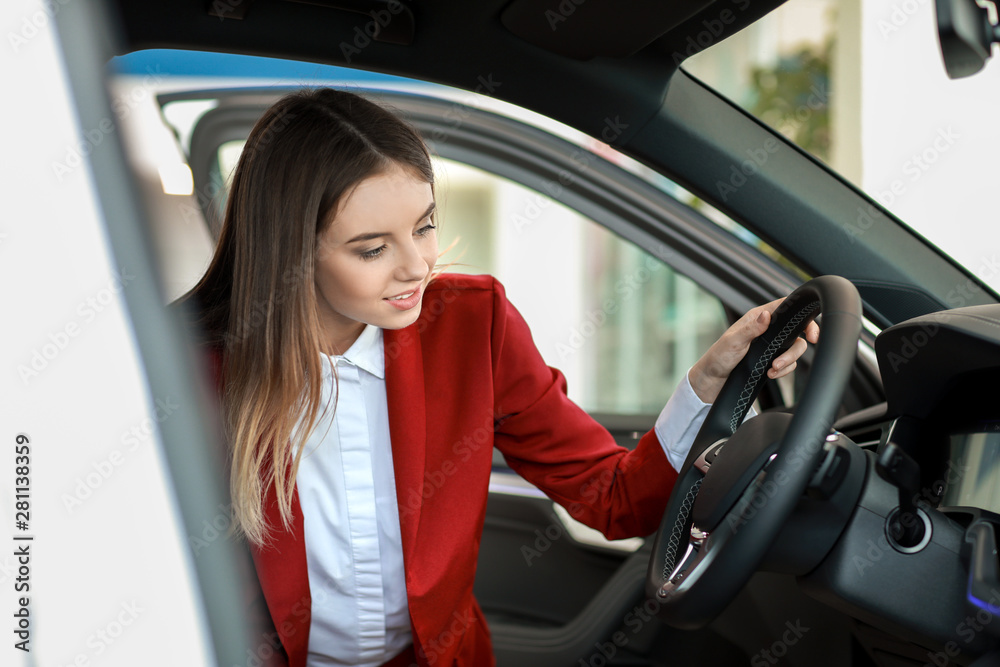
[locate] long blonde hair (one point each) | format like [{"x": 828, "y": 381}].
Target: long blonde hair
[{"x": 256, "y": 303}]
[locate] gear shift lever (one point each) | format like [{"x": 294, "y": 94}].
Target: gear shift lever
[{"x": 899, "y": 469}]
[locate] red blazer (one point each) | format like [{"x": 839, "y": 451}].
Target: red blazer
[{"x": 466, "y": 377}]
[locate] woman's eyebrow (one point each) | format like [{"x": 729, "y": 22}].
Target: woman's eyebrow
[
  {"x": 368, "y": 236},
  {"x": 430, "y": 209}
]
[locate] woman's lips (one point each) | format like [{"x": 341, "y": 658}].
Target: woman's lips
[{"x": 408, "y": 302}]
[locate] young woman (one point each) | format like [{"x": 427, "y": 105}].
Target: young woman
[{"x": 364, "y": 392}]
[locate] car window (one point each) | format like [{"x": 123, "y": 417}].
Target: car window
[
  {"x": 622, "y": 325},
  {"x": 896, "y": 127}
]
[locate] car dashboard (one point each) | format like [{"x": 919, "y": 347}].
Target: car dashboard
[
  {"x": 940, "y": 373},
  {"x": 916, "y": 564}
]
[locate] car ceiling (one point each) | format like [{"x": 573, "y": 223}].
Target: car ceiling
[{"x": 624, "y": 48}]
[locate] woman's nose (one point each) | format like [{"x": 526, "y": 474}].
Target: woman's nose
[{"x": 412, "y": 265}]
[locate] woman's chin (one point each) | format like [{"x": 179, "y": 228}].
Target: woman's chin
[{"x": 403, "y": 319}]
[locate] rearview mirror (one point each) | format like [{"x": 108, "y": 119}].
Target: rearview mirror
[{"x": 966, "y": 36}]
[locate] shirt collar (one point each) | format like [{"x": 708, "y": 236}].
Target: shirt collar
[{"x": 366, "y": 353}]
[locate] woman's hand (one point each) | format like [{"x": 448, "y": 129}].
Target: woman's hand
[{"x": 710, "y": 372}]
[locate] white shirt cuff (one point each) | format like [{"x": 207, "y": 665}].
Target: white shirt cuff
[{"x": 680, "y": 420}]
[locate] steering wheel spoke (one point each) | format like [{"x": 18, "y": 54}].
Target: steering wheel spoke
[
  {"x": 702, "y": 542},
  {"x": 707, "y": 457}
]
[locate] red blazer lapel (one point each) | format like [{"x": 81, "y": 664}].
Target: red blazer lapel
[
  {"x": 404, "y": 386},
  {"x": 284, "y": 578},
  {"x": 282, "y": 567}
]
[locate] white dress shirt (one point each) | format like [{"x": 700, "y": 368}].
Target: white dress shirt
[{"x": 347, "y": 493}]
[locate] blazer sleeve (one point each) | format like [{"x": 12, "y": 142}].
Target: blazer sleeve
[{"x": 558, "y": 447}]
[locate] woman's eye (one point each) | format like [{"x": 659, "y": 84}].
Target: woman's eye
[
  {"x": 372, "y": 254},
  {"x": 375, "y": 252}
]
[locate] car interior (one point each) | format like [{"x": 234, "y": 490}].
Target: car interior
[{"x": 853, "y": 523}]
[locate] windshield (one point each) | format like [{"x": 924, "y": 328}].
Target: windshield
[{"x": 862, "y": 87}]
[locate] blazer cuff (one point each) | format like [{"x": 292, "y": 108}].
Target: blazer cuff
[{"x": 680, "y": 420}]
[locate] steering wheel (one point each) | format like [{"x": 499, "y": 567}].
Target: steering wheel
[{"x": 741, "y": 482}]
